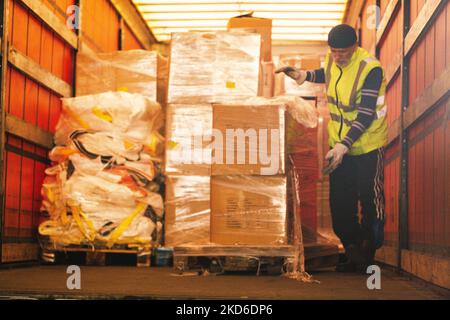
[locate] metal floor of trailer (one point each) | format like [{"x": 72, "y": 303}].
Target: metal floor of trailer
[{"x": 111, "y": 282}]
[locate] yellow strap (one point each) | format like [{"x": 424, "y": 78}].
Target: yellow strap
[
  {"x": 47, "y": 228},
  {"x": 64, "y": 218},
  {"x": 76, "y": 211},
  {"x": 104, "y": 115},
  {"x": 121, "y": 228}
]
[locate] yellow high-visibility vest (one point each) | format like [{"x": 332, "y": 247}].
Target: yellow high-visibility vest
[{"x": 344, "y": 97}]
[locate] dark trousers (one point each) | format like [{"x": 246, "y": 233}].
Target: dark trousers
[{"x": 358, "y": 179}]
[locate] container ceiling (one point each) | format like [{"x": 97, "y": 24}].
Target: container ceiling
[{"x": 292, "y": 20}]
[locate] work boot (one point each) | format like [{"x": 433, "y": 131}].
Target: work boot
[
  {"x": 354, "y": 254},
  {"x": 368, "y": 252},
  {"x": 346, "y": 267},
  {"x": 368, "y": 256}
]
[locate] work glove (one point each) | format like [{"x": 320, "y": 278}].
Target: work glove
[
  {"x": 298, "y": 75},
  {"x": 335, "y": 156}
]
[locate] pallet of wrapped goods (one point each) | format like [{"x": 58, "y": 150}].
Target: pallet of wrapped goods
[
  {"x": 209, "y": 67},
  {"x": 134, "y": 71},
  {"x": 247, "y": 223},
  {"x": 102, "y": 189}
]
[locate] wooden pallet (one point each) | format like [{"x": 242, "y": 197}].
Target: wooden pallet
[
  {"x": 220, "y": 259},
  {"x": 98, "y": 255}
]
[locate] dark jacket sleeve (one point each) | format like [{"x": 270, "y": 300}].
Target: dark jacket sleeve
[{"x": 316, "y": 76}]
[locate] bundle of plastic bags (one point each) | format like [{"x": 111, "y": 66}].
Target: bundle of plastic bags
[{"x": 103, "y": 187}]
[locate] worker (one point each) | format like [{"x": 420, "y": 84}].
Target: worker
[{"x": 355, "y": 86}]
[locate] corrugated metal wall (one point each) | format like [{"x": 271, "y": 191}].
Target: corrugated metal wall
[
  {"x": 34, "y": 105},
  {"x": 417, "y": 68}
]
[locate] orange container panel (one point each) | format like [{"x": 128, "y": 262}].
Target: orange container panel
[
  {"x": 416, "y": 7},
  {"x": 25, "y": 164},
  {"x": 35, "y": 104},
  {"x": 390, "y": 47},
  {"x": 428, "y": 154},
  {"x": 100, "y": 31},
  {"x": 130, "y": 41},
  {"x": 383, "y": 6},
  {"x": 368, "y": 26},
  {"x": 394, "y": 100},
  {"x": 431, "y": 56},
  {"x": 391, "y": 189}
]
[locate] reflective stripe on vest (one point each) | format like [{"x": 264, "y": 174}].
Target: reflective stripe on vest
[{"x": 378, "y": 115}]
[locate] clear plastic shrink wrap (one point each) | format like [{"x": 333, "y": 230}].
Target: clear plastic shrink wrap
[
  {"x": 213, "y": 67},
  {"x": 134, "y": 71}
]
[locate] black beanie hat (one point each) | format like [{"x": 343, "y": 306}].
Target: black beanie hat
[{"x": 342, "y": 36}]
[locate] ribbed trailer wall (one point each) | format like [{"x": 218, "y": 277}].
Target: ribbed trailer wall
[
  {"x": 412, "y": 42},
  {"x": 129, "y": 40},
  {"x": 100, "y": 25},
  {"x": 40, "y": 52},
  {"x": 30, "y": 103}
]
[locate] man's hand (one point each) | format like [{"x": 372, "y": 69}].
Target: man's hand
[
  {"x": 336, "y": 155},
  {"x": 298, "y": 75}
]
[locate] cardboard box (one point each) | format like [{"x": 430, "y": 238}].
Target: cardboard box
[
  {"x": 266, "y": 80},
  {"x": 188, "y": 135},
  {"x": 187, "y": 215},
  {"x": 300, "y": 61},
  {"x": 285, "y": 85},
  {"x": 248, "y": 210},
  {"x": 259, "y": 25},
  {"x": 253, "y": 140},
  {"x": 134, "y": 71},
  {"x": 208, "y": 67}
]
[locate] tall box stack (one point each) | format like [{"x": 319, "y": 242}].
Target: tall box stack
[
  {"x": 248, "y": 187},
  {"x": 210, "y": 73}
]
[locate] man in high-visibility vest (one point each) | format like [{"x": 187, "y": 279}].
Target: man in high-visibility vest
[{"x": 356, "y": 87}]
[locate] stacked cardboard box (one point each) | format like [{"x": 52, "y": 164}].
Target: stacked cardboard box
[
  {"x": 134, "y": 71},
  {"x": 263, "y": 27},
  {"x": 285, "y": 85},
  {"x": 247, "y": 200},
  {"x": 248, "y": 187},
  {"x": 188, "y": 210},
  {"x": 205, "y": 68},
  {"x": 213, "y": 67}
]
